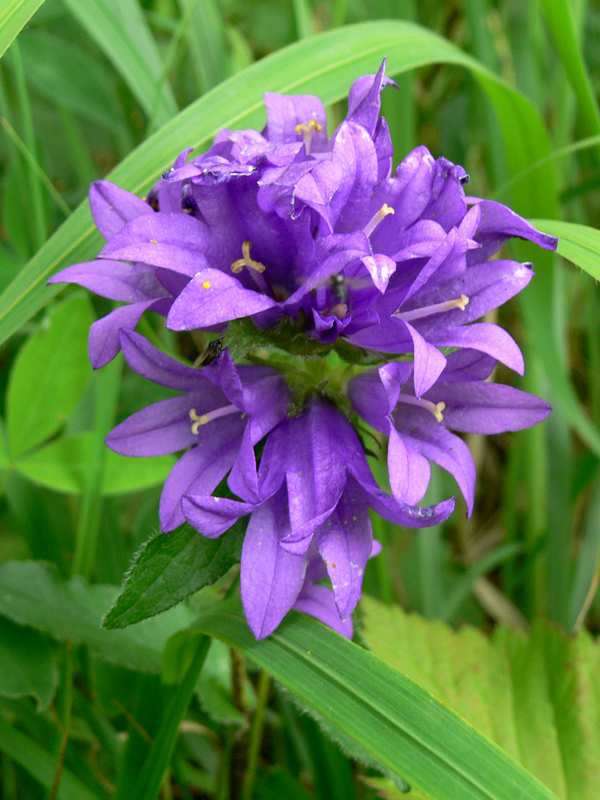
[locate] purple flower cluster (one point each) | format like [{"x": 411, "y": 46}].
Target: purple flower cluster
[{"x": 313, "y": 239}]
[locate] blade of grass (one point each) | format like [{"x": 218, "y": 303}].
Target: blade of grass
[
  {"x": 35, "y": 167},
  {"x": 464, "y": 586},
  {"x": 169, "y": 61},
  {"x": 580, "y": 244},
  {"x": 39, "y": 763},
  {"x": 207, "y": 43},
  {"x": 392, "y": 718},
  {"x": 561, "y": 22},
  {"x": 582, "y": 144},
  {"x": 107, "y": 383},
  {"x": 37, "y": 201},
  {"x": 303, "y": 18},
  {"x": 14, "y": 16},
  {"x": 156, "y": 763},
  {"x": 587, "y": 567},
  {"x": 121, "y": 31}
]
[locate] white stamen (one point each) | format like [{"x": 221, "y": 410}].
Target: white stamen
[
  {"x": 377, "y": 218},
  {"x": 202, "y": 419},
  {"x": 461, "y": 302},
  {"x": 435, "y": 408}
]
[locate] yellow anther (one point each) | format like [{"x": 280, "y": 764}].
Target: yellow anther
[
  {"x": 198, "y": 421},
  {"x": 383, "y": 212},
  {"x": 153, "y": 241},
  {"x": 307, "y": 131},
  {"x": 206, "y": 284},
  {"x": 246, "y": 261},
  {"x": 439, "y": 407},
  {"x": 313, "y": 125}
]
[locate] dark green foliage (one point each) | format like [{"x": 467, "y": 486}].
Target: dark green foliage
[{"x": 171, "y": 567}]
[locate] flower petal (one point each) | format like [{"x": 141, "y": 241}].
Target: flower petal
[
  {"x": 161, "y": 428},
  {"x": 319, "y": 602},
  {"x": 345, "y": 541},
  {"x": 271, "y": 578},
  {"x": 200, "y": 470},
  {"x": 104, "y": 342},
  {"x": 213, "y": 297},
  {"x": 113, "y": 207},
  {"x": 482, "y": 407},
  {"x": 126, "y": 283}
]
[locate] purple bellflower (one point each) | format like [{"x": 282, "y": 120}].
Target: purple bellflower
[
  {"x": 313, "y": 489},
  {"x": 315, "y": 241},
  {"x": 291, "y": 223},
  {"x": 222, "y": 407},
  {"x": 419, "y": 427}
]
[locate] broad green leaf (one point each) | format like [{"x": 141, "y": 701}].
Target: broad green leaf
[
  {"x": 26, "y": 664},
  {"x": 62, "y": 465},
  {"x": 41, "y": 764},
  {"x": 120, "y": 29},
  {"x": 68, "y": 76},
  {"x": 326, "y": 65},
  {"x": 33, "y": 594},
  {"x": 577, "y": 243},
  {"x": 391, "y": 717},
  {"x": 535, "y": 696},
  {"x": 14, "y": 15},
  {"x": 169, "y": 568},
  {"x": 49, "y": 376}
]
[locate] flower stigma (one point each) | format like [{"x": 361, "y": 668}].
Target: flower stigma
[
  {"x": 246, "y": 261},
  {"x": 202, "y": 419},
  {"x": 377, "y": 218},
  {"x": 461, "y": 302},
  {"x": 435, "y": 408},
  {"x": 307, "y": 131}
]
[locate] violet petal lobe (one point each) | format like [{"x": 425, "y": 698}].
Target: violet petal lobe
[
  {"x": 271, "y": 577},
  {"x": 125, "y": 283},
  {"x": 213, "y": 297},
  {"x": 201, "y": 469},
  {"x": 345, "y": 541},
  {"x": 319, "y": 602},
  {"x": 113, "y": 207}
]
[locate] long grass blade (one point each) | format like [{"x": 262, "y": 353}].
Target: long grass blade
[
  {"x": 14, "y": 15},
  {"x": 393, "y": 719},
  {"x": 120, "y": 30}
]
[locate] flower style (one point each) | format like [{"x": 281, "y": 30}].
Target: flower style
[
  {"x": 313, "y": 488},
  {"x": 222, "y": 407},
  {"x": 419, "y": 426}
]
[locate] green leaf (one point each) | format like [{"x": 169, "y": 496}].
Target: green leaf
[
  {"x": 169, "y": 568},
  {"x": 330, "y": 63},
  {"x": 41, "y": 764},
  {"x": 62, "y": 465},
  {"x": 50, "y": 375},
  {"x": 14, "y": 15},
  {"x": 577, "y": 243},
  {"x": 391, "y": 717},
  {"x": 68, "y": 76},
  {"x": 536, "y": 697},
  {"x": 33, "y": 594},
  {"x": 26, "y": 664},
  {"x": 121, "y": 31}
]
